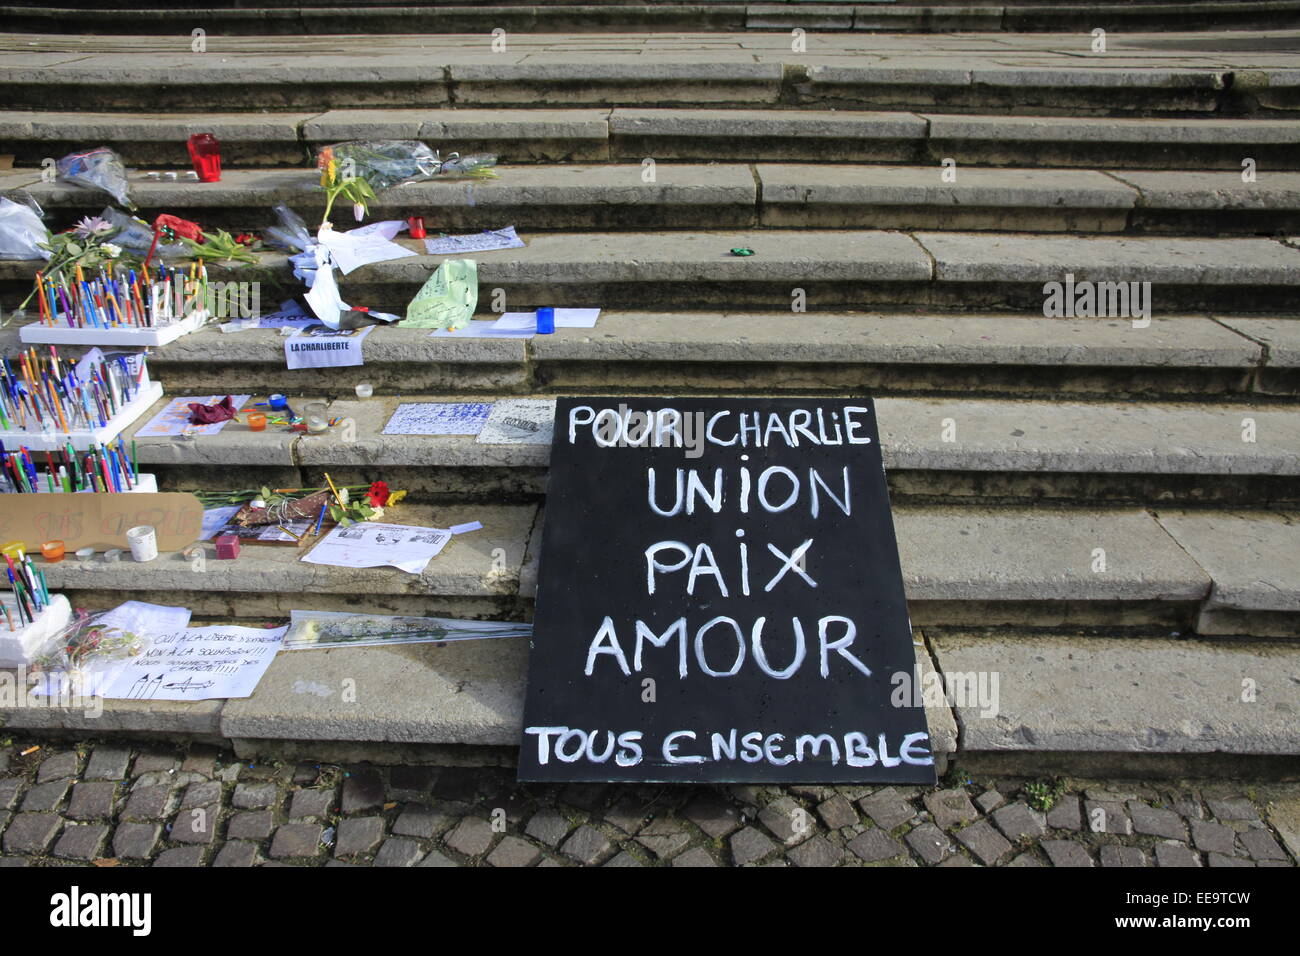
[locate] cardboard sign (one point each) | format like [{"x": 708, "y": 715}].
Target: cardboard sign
[
  {"x": 99, "y": 521},
  {"x": 720, "y": 599}
]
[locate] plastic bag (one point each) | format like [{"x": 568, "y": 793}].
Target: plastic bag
[
  {"x": 291, "y": 234},
  {"x": 456, "y": 166},
  {"x": 97, "y": 169},
  {"x": 448, "y": 299},
  {"x": 21, "y": 231},
  {"x": 136, "y": 236},
  {"x": 386, "y": 163}
]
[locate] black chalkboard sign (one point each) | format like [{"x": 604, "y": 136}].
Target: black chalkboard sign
[{"x": 720, "y": 598}]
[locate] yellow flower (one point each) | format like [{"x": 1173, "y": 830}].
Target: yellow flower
[
  {"x": 395, "y": 497},
  {"x": 328, "y": 168}
]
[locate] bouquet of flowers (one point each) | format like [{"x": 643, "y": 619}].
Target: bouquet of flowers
[
  {"x": 85, "y": 245},
  {"x": 266, "y": 506}
]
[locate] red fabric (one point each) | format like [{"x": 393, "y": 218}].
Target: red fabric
[{"x": 222, "y": 411}]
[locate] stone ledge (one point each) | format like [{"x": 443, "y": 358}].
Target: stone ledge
[
  {"x": 1160, "y": 696},
  {"x": 467, "y": 566},
  {"x": 1041, "y": 555},
  {"x": 990, "y": 435},
  {"x": 1252, "y": 557},
  {"x": 1036, "y": 556},
  {"x": 981, "y": 257}
]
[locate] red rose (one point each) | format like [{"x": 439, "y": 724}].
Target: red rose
[{"x": 378, "y": 494}]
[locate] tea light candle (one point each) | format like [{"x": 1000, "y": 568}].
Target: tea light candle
[{"x": 317, "y": 417}]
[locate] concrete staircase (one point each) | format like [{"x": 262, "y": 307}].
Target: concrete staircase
[
  {"x": 292, "y": 17},
  {"x": 1174, "y": 448}
]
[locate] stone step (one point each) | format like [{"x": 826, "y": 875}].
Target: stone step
[
  {"x": 464, "y": 72},
  {"x": 466, "y": 17},
  {"x": 80, "y": 5},
  {"x": 1178, "y": 711},
  {"x": 684, "y": 134},
  {"x": 962, "y": 567},
  {"x": 1060, "y": 706},
  {"x": 476, "y": 575},
  {"x": 649, "y": 353},
  {"x": 960, "y": 450},
  {"x": 615, "y": 196},
  {"x": 822, "y": 271},
  {"x": 959, "y": 355}
]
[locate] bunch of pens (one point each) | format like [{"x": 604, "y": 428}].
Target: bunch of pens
[
  {"x": 122, "y": 298},
  {"x": 102, "y": 469},
  {"x": 47, "y": 395},
  {"x": 30, "y": 594}
]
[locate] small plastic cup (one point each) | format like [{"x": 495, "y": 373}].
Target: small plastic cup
[
  {"x": 85, "y": 554},
  {"x": 545, "y": 320},
  {"x": 417, "y": 227},
  {"x": 143, "y": 541},
  {"x": 365, "y": 390},
  {"x": 15, "y": 549},
  {"x": 52, "y": 551},
  {"x": 112, "y": 555},
  {"x": 256, "y": 422}
]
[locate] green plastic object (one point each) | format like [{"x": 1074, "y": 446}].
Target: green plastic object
[
  {"x": 448, "y": 299},
  {"x": 742, "y": 252}
]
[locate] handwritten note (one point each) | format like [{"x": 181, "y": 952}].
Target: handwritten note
[
  {"x": 201, "y": 663},
  {"x": 739, "y": 551},
  {"x": 488, "y": 240},
  {"x": 438, "y": 418}
]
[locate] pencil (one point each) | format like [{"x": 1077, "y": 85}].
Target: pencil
[{"x": 337, "y": 496}]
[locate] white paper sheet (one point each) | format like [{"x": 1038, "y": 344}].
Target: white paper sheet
[
  {"x": 202, "y": 663},
  {"x": 564, "y": 319},
  {"x": 438, "y": 418},
  {"x": 358, "y": 247},
  {"x": 289, "y": 315},
  {"x": 175, "y": 418},
  {"x": 384, "y": 228},
  {"x": 368, "y": 544},
  {"x": 132, "y": 618},
  {"x": 321, "y": 348},
  {"x": 488, "y": 240},
  {"x": 519, "y": 421},
  {"x": 484, "y": 329}
]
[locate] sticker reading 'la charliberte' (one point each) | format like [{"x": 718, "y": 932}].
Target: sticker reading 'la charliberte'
[{"x": 720, "y": 598}]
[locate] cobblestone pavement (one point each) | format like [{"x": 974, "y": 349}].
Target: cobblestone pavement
[{"x": 118, "y": 805}]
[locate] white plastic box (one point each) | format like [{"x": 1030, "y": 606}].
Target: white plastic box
[
  {"x": 37, "y": 333},
  {"x": 145, "y": 484},
  {"x": 83, "y": 439},
  {"x": 19, "y": 647}
]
